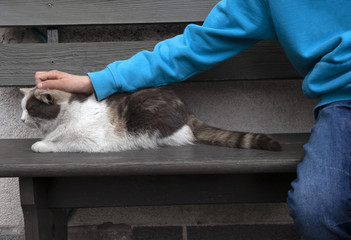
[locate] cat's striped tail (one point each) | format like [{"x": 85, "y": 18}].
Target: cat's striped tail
[{"x": 215, "y": 136}]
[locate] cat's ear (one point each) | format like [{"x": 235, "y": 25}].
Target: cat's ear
[
  {"x": 25, "y": 91},
  {"x": 47, "y": 98}
]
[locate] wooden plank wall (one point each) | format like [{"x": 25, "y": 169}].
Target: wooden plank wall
[
  {"x": 86, "y": 12},
  {"x": 19, "y": 62}
]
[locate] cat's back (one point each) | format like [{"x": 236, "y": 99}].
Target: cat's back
[{"x": 149, "y": 110}]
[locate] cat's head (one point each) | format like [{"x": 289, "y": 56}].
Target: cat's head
[{"x": 41, "y": 107}]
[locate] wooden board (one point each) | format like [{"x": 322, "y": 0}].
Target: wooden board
[
  {"x": 19, "y": 62},
  {"x": 17, "y": 160},
  {"x": 167, "y": 190},
  {"x": 69, "y": 12}
]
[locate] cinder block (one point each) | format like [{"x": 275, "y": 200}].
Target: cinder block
[
  {"x": 158, "y": 233},
  {"x": 243, "y": 232},
  {"x": 105, "y": 231},
  {"x": 11, "y": 237}
]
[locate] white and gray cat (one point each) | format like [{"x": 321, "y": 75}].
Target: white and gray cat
[{"x": 144, "y": 119}]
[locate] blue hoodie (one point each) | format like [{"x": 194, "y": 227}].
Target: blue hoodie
[{"x": 315, "y": 34}]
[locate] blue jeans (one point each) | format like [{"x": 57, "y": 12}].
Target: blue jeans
[{"x": 320, "y": 198}]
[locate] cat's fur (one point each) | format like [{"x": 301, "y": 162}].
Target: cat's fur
[{"x": 141, "y": 120}]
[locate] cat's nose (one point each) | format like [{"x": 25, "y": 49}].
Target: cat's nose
[{"x": 23, "y": 120}]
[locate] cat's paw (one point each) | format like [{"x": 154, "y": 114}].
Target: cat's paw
[{"x": 42, "y": 147}]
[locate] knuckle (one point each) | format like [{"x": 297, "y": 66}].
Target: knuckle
[{"x": 56, "y": 73}]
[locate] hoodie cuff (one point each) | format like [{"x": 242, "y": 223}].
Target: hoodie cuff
[{"x": 104, "y": 83}]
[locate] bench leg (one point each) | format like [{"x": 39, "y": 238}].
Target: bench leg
[{"x": 41, "y": 222}]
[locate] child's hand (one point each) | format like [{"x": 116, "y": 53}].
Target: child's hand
[{"x": 63, "y": 81}]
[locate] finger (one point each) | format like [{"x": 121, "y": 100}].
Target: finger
[
  {"x": 43, "y": 76},
  {"x": 53, "y": 84},
  {"x": 37, "y": 77}
]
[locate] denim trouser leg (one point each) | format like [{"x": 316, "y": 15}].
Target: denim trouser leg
[{"x": 320, "y": 197}]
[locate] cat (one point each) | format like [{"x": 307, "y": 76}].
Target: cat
[{"x": 145, "y": 119}]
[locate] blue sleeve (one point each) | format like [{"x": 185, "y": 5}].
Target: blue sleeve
[{"x": 231, "y": 27}]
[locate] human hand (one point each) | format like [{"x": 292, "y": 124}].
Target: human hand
[{"x": 63, "y": 81}]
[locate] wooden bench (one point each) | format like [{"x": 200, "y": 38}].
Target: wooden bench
[{"x": 50, "y": 183}]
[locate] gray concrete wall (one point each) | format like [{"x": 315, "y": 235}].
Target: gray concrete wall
[{"x": 273, "y": 106}]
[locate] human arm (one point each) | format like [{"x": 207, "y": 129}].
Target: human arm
[{"x": 231, "y": 27}]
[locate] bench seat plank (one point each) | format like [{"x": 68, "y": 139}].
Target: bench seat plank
[
  {"x": 265, "y": 60},
  {"x": 17, "y": 160}
]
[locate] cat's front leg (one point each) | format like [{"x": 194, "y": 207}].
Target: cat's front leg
[{"x": 44, "y": 147}]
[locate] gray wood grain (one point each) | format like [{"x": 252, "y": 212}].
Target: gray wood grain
[
  {"x": 74, "y": 12},
  {"x": 16, "y": 159},
  {"x": 53, "y": 35},
  {"x": 41, "y": 222},
  {"x": 19, "y": 62}
]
